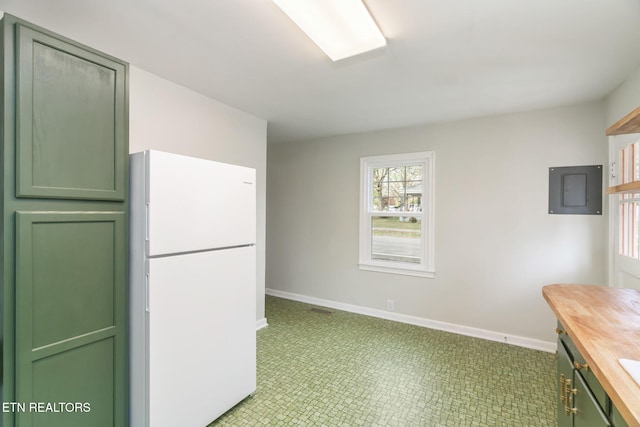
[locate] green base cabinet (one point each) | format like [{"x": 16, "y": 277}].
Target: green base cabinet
[
  {"x": 64, "y": 256},
  {"x": 565, "y": 379},
  {"x": 582, "y": 401},
  {"x": 616, "y": 418}
]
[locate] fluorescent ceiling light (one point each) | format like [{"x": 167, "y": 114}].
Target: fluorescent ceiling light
[{"x": 341, "y": 28}]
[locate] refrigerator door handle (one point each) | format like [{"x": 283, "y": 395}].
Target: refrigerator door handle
[
  {"x": 146, "y": 286},
  {"x": 146, "y": 221},
  {"x": 146, "y": 292}
]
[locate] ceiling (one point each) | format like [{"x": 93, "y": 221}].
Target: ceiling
[{"x": 445, "y": 59}]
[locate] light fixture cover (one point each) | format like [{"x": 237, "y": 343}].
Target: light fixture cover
[{"x": 341, "y": 28}]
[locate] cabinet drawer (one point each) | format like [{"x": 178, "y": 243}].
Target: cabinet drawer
[{"x": 578, "y": 362}]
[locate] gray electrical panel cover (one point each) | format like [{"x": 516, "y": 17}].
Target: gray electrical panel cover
[{"x": 575, "y": 190}]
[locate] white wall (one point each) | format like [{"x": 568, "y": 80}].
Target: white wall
[
  {"x": 624, "y": 99},
  {"x": 168, "y": 117},
  {"x": 496, "y": 245}
]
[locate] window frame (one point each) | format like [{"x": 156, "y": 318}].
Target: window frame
[{"x": 367, "y": 164}]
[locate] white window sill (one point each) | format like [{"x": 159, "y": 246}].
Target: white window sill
[{"x": 396, "y": 270}]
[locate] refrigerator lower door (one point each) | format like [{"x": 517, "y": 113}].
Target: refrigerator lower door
[{"x": 201, "y": 335}]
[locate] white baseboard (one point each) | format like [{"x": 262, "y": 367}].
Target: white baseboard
[
  {"x": 534, "y": 344},
  {"x": 262, "y": 323}
]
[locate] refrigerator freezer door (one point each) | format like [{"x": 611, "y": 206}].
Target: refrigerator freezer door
[
  {"x": 196, "y": 204},
  {"x": 201, "y": 335}
]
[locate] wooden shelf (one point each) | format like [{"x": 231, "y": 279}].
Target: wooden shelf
[
  {"x": 630, "y": 187},
  {"x": 628, "y": 124}
]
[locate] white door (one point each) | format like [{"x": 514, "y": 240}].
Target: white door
[{"x": 624, "y": 222}]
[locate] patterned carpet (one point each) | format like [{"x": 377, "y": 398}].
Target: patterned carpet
[{"x": 344, "y": 369}]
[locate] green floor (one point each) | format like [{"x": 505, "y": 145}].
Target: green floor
[{"x": 344, "y": 369}]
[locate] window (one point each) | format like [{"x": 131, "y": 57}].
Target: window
[
  {"x": 396, "y": 213},
  {"x": 629, "y": 208}
]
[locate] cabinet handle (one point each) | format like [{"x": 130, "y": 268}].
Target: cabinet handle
[
  {"x": 579, "y": 365},
  {"x": 562, "y": 381},
  {"x": 569, "y": 392},
  {"x": 561, "y": 331}
]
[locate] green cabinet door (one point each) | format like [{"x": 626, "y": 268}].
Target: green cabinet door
[
  {"x": 564, "y": 381},
  {"x": 64, "y": 236},
  {"x": 67, "y": 320},
  {"x": 577, "y": 405},
  {"x": 70, "y": 101},
  {"x": 588, "y": 411}
]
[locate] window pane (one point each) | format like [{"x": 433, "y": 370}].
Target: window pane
[
  {"x": 380, "y": 174},
  {"x": 396, "y": 174},
  {"x": 380, "y": 189},
  {"x": 414, "y": 196},
  {"x": 414, "y": 173},
  {"x": 624, "y": 229},
  {"x": 414, "y": 203},
  {"x": 396, "y": 196},
  {"x": 629, "y": 231},
  {"x": 381, "y": 182},
  {"x": 396, "y": 239},
  {"x": 630, "y": 163}
]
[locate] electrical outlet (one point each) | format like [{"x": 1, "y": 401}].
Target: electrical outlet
[{"x": 390, "y": 306}]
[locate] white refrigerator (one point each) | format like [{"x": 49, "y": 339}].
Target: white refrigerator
[{"x": 192, "y": 289}]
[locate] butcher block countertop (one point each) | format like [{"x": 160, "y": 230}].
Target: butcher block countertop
[{"x": 604, "y": 324}]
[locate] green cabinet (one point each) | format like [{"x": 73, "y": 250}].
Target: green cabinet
[
  {"x": 582, "y": 401},
  {"x": 616, "y": 418},
  {"x": 64, "y": 254},
  {"x": 565, "y": 379}
]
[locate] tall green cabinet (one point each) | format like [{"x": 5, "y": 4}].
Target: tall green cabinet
[{"x": 64, "y": 253}]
